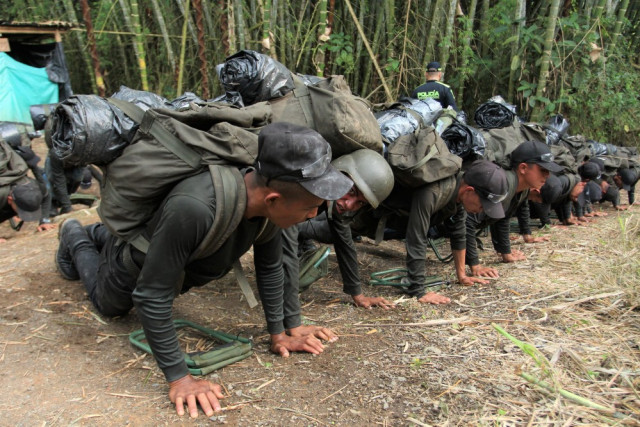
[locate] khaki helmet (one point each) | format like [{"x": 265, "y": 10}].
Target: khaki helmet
[{"x": 370, "y": 172}]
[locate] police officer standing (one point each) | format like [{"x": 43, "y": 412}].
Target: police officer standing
[{"x": 434, "y": 88}]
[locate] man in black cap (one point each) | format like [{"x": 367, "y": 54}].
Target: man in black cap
[
  {"x": 410, "y": 212},
  {"x": 626, "y": 179},
  {"x": 291, "y": 177},
  {"x": 531, "y": 164},
  {"x": 434, "y": 88},
  {"x": 20, "y": 195}
]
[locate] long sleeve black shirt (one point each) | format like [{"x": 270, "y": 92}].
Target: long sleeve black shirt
[{"x": 176, "y": 231}]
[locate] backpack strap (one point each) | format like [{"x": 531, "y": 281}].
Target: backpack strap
[
  {"x": 231, "y": 202},
  {"x": 301, "y": 92}
]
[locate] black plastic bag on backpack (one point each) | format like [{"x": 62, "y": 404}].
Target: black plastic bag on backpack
[
  {"x": 556, "y": 128},
  {"x": 256, "y": 76},
  {"x": 495, "y": 114},
  {"x": 464, "y": 141}
]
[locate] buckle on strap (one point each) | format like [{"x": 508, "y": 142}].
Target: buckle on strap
[{"x": 147, "y": 122}]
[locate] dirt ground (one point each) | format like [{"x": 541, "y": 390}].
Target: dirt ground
[{"x": 63, "y": 364}]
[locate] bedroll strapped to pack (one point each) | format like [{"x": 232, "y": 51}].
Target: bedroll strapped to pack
[
  {"x": 233, "y": 349},
  {"x": 328, "y": 106},
  {"x": 169, "y": 147},
  {"x": 421, "y": 158}
]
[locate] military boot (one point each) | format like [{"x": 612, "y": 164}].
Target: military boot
[{"x": 64, "y": 259}]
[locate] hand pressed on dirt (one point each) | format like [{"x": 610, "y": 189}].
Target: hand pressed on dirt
[
  {"x": 480, "y": 271},
  {"x": 319, "y": 332},
  {"x": 193, "y": 391},
  {"x": 368, "y": 302},
  {"x": 514, "y": 256},
  {"x": 283, "y": 344},
  {"x": 434, "y": 298},
  {"x": 470, "y": 281},
  {"x": 46, "y": 227},
  {"x": 528, "y": 238}
]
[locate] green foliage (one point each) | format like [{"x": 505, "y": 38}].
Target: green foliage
[{"x": 342, "y": 48}]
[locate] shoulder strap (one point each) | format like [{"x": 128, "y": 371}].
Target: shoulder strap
[{"x": 231, "y": 202}]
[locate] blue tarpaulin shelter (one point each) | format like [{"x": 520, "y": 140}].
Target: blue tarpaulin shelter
[{"x": 22, "y": 86}]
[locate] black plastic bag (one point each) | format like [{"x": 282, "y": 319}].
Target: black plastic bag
[
  {"x": 230, "y": 97},
  {"x": 464, "y": 141},
  {"x": 184, "y": 100},
  {"x": 495, "y": 114},
  {"x": 143, "y": 99},
  {"x": 256, "y": 76},
  {"x": 87, "y": 129},
  {"x": 556, "y": 128}
]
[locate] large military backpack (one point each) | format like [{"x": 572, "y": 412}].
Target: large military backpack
[
  {"x": 421, "y": 158},
  {"x": 170, "y": 146},
  {"x": 501, "y": 142},
  {"x": 345, "y": 120}
]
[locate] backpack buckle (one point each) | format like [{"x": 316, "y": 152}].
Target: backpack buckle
[{"x": 147, "y": 122}]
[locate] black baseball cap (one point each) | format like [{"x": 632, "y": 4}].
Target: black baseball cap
[
  {"x": 592, "y": 193},
  {"x": 288, "y": 152},
  {"x": 28, "y": 198},
  {"x": 535, "y": 152},
  {"x": 589, "y": 170},
  {"x": 490, "y": 183},
  {"x": 598, "y": 161},
  {"x": 433, "y": 67},
  {"x": 628, "y": 177},
  {"x": 551, "y": 190}
]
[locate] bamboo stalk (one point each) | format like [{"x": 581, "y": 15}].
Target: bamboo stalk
[
  {"x": 387, "y": 91},
  {"x": 183, "y": 46}
]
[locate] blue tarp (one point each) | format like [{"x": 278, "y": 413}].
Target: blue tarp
[{"x": 22, "y": 86}]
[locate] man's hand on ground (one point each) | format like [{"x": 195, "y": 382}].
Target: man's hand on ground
[
  {"x": 528, "y": 238},
  {"x": 283, "y": 344},
  {"x": 470, "y": 281},
  {"x": 192, "y": 391},
  {"x": 368, "y": 302},
  {"x": 317, "y": 331},
  {"x": 46, "y": 227},
  {"x": 480, "y": 271},
  {"x": 434, "y": 298},
  {"x": 514, "y": 256}
]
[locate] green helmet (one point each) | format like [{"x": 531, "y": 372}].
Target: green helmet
[{"x": 370, "y": 172}]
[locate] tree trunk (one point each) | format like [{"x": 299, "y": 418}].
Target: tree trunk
[
  {"x": 466, "y": 50},
  {"x": 71, "y": 13},
  {"x": 204, "y": 68},
  {"x": 139, "y": 42},
  {"x": 434, "y": 30},
  {"x": 322, "y": 37},
  {"x": 519, "y": 22},
  {"x": 185, "y": 14},
  {"x": 165, "y": 34},
  {"x": 538, "y": 110},
  {"x": 240, "y": 27},
  {"x": 86, "y": 17},
  {"x": 447, "y": 42},
  {"x": 183, "y": 47},
  {"x": 484, "y": 28},
  {"x": 616, "y": 31}
]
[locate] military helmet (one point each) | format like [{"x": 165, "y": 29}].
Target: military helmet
[{"x": 370, "y": 172}]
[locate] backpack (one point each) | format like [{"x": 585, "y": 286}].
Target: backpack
[
  {"x": 328, "y": 106},
  {"x": 563, "y": 157},
  {"x": 166, "y": 149},
  {"x": 421, "y": 158},
  {"x": 13, "y": 169},
  {"x": 501, "y": 142}
]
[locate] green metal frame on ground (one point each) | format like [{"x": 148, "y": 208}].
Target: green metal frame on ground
[
  {"x": 394, "y": 276},
  {"x": 234, "y": 349}
]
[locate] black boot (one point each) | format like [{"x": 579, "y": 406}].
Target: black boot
[{"x": 64, "y": 260}]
